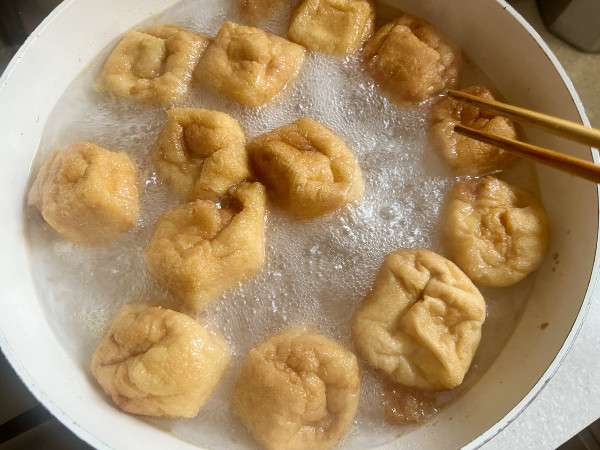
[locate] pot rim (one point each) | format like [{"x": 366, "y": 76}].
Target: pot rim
[
  {"x": 485, "y": 436},
  {"x": 568, "y": 343}
]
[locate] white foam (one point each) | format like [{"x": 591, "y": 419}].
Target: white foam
[{"x": 316, "y": 271}]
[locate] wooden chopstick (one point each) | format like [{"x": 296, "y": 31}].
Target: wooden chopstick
[
  {"x": 575, "y": 166},
  {"x": 554, "y": 125}
]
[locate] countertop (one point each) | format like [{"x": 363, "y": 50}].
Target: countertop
[{"x": 568, "y": 404}]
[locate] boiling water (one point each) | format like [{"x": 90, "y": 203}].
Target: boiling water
[{"x": 316, "y": 272}]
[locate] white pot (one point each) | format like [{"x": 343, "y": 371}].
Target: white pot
[{"x": 491, "y": 33}]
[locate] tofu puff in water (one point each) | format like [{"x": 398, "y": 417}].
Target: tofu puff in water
[
  {"x": 411, "y": 60},
  {"x": 421, "y": 323},
  {"x": 201, "y": 249},
  {"x": 158, "y": 362},
  {"x": 497, "y": 233},
  {"x": 87, "y": 194},
  {"x": 200, "y": 153},
  {"x": 257, "y": 11},
  {"x": 465, "y": 155},
  {"x": 335, "y": 27},
  {"x": 297, "y": 390},
  {"x": 248, "y": 64},
  {"x": 307, "y": 168},
  {"x": 153, "y": 65}
]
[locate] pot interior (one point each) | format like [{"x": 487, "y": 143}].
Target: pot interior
[{"x": 489, "y": 35}]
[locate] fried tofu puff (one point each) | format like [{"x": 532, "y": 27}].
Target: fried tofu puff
[
  {"x": 201, "y": 249},
  {"x": 87, "y": 194},
  {"x": 495, "y": 232},
  {"x": 158, "y": 362},
  {"x": 411, "y": 60},
  {"x": 248, "y": 64},
  {"x": 421, "y": 323},
  {"x": 256, "y": 11},
  {"x": 200, "y": 153},
  {"x": 297, "y": 390},
  {"x": 465, "y": 155},
  {"x": 307, "y": 168},
  {"x": 335, "y": 27},
  {"x": 153, "y": 65}
]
